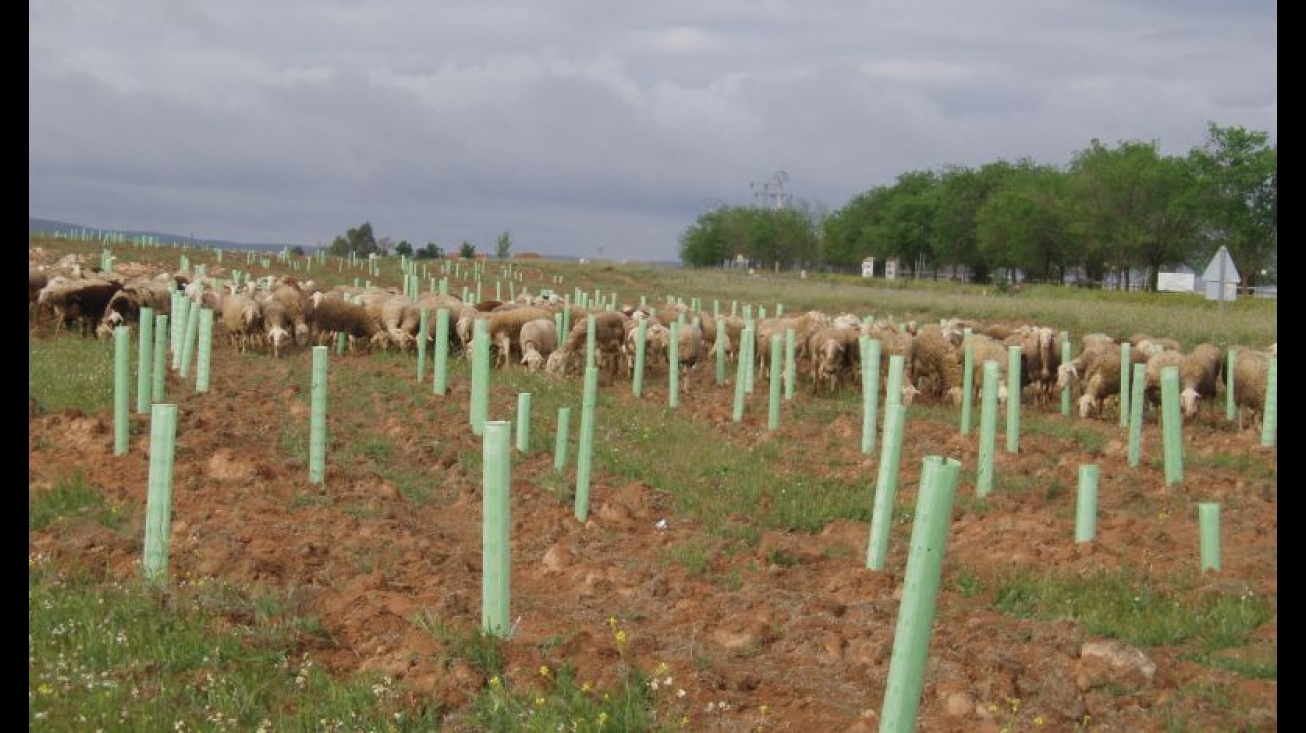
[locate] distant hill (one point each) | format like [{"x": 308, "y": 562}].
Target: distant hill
[{"x": 49, "y": 226}]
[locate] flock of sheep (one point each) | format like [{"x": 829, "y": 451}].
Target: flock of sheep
[{"x": 274, "y": 314}]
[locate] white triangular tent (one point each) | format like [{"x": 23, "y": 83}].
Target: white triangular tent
[{"x": 1221, "y": 277}]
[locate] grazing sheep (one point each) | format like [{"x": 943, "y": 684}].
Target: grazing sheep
[
  {"x": 803, "y": 325},
  {"x": 893, "y": 342},
  {"x": 401, "y": 320},
  {"x": 1199, "y": 376},
  {"x": 734, "y": 330},
  {"x": 935, "y": 365},
  {"x": 690, "y": 347},
  {"x": 832, "y": 350},
  {"x": 77, "y": 302},
  {"x": 609, "y": 336},
  {"x": 504, "y": 328},
  {"x": 296, "y": 306},
  {"x": 278, "y": 324},
  {"x": 242, "y": 318},
  {"x": 36, "y": 279},
  {"x": 1101, "y": 383},
  {"x": 1251, "y": 371},
  {"x": 657, "y": 338},
  {"x": 983, "y": 348},
  {"x": 538, "y": 339},
  {"x": 124, "y": 307},
  {"x": 332, "y": 316}
]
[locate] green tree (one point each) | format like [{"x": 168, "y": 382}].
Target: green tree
[
  {"x": 1137, "y": 205},
  {"x": 297, "y": 251},
  {"x": 404, "y": 249},
  {"x": 908, "y": 220},
  {"x": 503, "y": 246},
  {"x": 1024, "y": 224},
  {"x": 704, "y": 243},
  {"x": 962, "y": 193},
  {"x": 1237, "y": 173},
  {"x": 431, "y": 251},
  {"x": 359, "y": 242},
  {"x": 467, "y": 250}
]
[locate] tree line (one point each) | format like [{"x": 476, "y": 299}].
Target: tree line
[
  {"x": 361, "y": 241},
  {"x": 1110, "y": 211}
]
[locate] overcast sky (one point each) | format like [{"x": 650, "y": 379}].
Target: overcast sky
[{"x": 593, "y": 128}]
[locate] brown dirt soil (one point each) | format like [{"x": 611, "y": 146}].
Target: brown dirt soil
[
  {"x": 811, "y": 640},
  {"x": 799, "y": 646}
]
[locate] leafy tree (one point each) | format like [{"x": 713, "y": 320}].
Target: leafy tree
[
  {"x": 503, "y": 246},
  {"x": 359, "y": 242},
  {"x": 431, "y": 251},
  {"x": 467, "y": 250},
  {"x": 297, "y": 251},
  {"x": 962, "y": 194},
  {"x": 404, "y": 249},
  {"x": 1024, "y": 224},
  {"x": 1137, "y": 206},
  {"x": 704, "y": 244},
  {"x": 909, "y": 216},
  {"x": 1238, "y": 175}
]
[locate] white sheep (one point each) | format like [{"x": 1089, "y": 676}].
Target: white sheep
[
  {"x": 538, "y": 339},
  {"x": 1250, "y": 378},
  {"x": 242, "y": 318}
]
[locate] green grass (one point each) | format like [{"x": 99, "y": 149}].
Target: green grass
[
  {"x": 71, "y": 498},
  {"x": 1135, "y": 609},
  {"x": 127, "y": 656},
  {"x": 118, "y": 655},
  {"x": 89, "y": 388}
]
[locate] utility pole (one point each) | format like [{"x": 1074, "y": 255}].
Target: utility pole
[{"x": 775, "y": 191}]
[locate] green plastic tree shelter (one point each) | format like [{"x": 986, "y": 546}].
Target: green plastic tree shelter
[
  {"x": 744, "y": 357},
  {"x": 317, "y": 417},
  {"x": 720, "y": 351},
  {"x": 791, "y": 362},
  {"x": 190, "y": 338},
  {"x": 1065, "y": 359},
  {"x": 893, "y": 385},
  {"x": 1230, "y": 406},
  {"x": 122, "y": 338},
  {"x": 911, "y": 641},
  {"x": 144, "y": 360},
  {"x": 1136, "y": 416},
  {"x": 641, "y": 348},
  {"x": 673, "y": 366},
  {"x": 524, "y": 422},
  {"x": 495, "y": 553},
  {"x": 886, "y": 485},
  {"x": 423, "y": 329},
  {"x": 180, "y": 304},
  {"x": 773, "y": 394},
  {"x": 480, "y": 400},
  {"x": 1208, "y": 518},
  {"x": 1013, "y": 399},
  {"x": 988, "y": 433},
  {"x": 158, "y": 507},
  {"x": 439, "y": 382},
  {"x": 159, "y": 372},
  {"x": 585, "y": 449},
  {"x": 1086, "y": 508},
  {"x": 1270, "y": 411},
  {"x": 1125, "y": 392},
  {"x": 967, "y": 385},
  {"x": 204, "y": 358},
  {"x": 870, "y": 389},
  {"x": 560, "y": 439},
  {"x": 1172, "y": 426}
]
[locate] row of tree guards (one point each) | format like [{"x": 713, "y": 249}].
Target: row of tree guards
[{"x": 189, "y": 340}]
